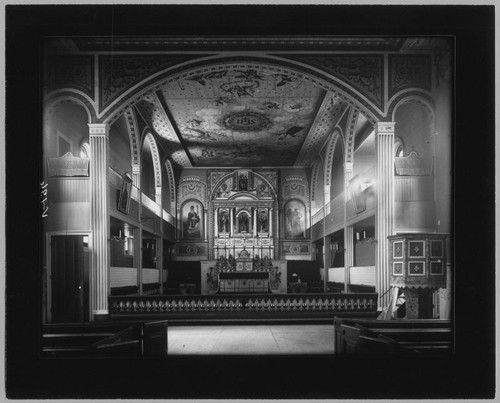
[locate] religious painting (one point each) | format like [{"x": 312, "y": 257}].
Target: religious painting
[
  {"x": 263, "y": 221},
  {"x": 357, "y": 194},
  {"x": 125, "y": 193},
  {"x": 192, "y": 219},
  {"x": 295, "y": 219},
  {"x": 243, "y": 181},
  {"x": 224, "y": 221},
  {"x": 243, "y": 220}
]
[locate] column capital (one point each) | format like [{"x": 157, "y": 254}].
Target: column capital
[
  {"x": 385, "y": 127},
  {"x": 98, "y": 129},
  {"x": 136, "y": 169},
  {"x": 348, "y": 166}
]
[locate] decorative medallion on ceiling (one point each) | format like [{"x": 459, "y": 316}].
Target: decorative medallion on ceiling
[{"x": 242, "y": 114}]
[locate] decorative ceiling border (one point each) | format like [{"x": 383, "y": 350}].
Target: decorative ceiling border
[
  {"x": 321, "y": 128},
  {"x": 271, "y": 64}
]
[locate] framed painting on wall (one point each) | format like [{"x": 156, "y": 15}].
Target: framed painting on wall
[
  {"x": 192, "y": 220},
  {"x": 295, "y": 219},
  {"x": 125, "y": 193}
]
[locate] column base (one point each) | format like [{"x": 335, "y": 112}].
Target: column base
[{"x": 100, "y": 317}]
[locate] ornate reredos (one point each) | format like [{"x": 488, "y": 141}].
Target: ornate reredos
[{"x": 225, "y": 184}]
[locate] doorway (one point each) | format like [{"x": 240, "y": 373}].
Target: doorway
[{"x": 69, "y": 278}]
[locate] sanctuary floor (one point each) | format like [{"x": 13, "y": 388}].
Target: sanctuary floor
[{"x": 251, "y": 340}]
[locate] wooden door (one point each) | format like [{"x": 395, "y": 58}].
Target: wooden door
[{"x": 69, "y": 279}]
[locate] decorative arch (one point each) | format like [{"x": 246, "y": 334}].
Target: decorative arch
[
  {"x": 171, "y": 185},
  {"x": 212, "y": 64},
  {"x": 156, "y": 157},
  {"x": 134, "y": 138},
  {"x": 414, "y": 97},
  {"x": 330, "y": 151},
  {"x": 350, "y": 133}
]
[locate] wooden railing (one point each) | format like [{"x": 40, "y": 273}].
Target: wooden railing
[{"x": 241, "y": 303}]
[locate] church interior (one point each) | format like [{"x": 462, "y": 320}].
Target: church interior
[
  {"x": 247, "y": 178},
  {"x": 258, "y": 195}
]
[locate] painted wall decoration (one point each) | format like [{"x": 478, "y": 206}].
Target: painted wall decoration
[
  {"x": 192, "y": 215},
  {"x": 191, "y": 187},
  {"x": 243, "y": 115},
  {"x": 295, "y": 219},
  {"x": 71, "y": 72},
  {"x": 361, "y": 71},
  {"x": 406, "y": 71},
  {"x": 120, "y": 73}
]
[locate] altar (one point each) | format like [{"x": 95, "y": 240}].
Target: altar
[{"x": 252, "y": 276}]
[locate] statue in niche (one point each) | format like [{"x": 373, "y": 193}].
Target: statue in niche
[
  {"x": 243, "y": 222},
  {"x": 263, "y": 222},
  {"x": 243, "y": 182},
  {"x": 224, "y": 222}
]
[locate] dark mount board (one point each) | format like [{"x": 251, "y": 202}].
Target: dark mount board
[{"x": 469, "y": 373}]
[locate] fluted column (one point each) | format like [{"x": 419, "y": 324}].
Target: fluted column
[
  {"x": 348, "y": 255},
  {"x": 99, "y": 185},
  {"x": 254, "y": 229},
  {"x": 136, "y": 180},
  {"x": 231, "y": 222},
  {"x": 348, "y": 230},
  {"x": 384, "y": 145}
]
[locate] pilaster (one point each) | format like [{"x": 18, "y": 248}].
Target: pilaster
[
  {"x": 348, "y": 255},
  {"x": 384, "y": 148},
  {"x": 99, "y": 186}
]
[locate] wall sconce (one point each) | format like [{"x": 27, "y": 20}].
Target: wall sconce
[{"x": 119, "y": 238}]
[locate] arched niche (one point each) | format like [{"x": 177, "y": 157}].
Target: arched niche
[
  {"x": 66, "y": 128},
  {"x": 414, "y": 127}
]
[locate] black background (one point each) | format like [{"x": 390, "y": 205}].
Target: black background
[{"x": 470, "y": 373}]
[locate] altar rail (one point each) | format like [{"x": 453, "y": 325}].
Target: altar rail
[{"x": 243, "y": 303}]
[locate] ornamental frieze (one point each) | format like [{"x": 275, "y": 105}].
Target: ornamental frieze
[
  {"x": 119, "y": 73},
  {"x": 295, "y": 248},
  {"x": 191, "y": 188},
  {"x": 294, "y": 186},
  {"x": 71, "y": 72},
  {"x": 409, "y": 71}
]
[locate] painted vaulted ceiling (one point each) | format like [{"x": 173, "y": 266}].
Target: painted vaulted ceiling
[
  {"x": 233, "y": 102},
  {"x": 242, "y": 116}
]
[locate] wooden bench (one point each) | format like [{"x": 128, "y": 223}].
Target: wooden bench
[
  {"x": 126, "y": 343},
  {"x": 148, "y": 339},
  {"x": 402, "y": 336},
  {"x": 73, "y": 340}
]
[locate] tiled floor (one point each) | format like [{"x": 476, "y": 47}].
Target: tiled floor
[{"x": 253, "y": 340}]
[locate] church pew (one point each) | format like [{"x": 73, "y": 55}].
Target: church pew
[
  {"x": 72, "y": 340},
  {"x": 126, "y": 343},
  {"x": 415, "y": 336},
  {"x": 155, "y": 339}
]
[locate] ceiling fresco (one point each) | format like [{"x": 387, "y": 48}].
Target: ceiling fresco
[{"x": 231, "y": 116}]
